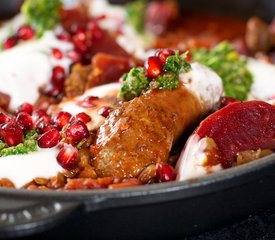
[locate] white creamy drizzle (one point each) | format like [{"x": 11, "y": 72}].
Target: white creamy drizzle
[
  {"x": 190, "y": 164},
  {"x": 21, "y": 169},
  {"x": 27, "y": 66},
  {"x": 102, "y": 91},
  {"x": 205, "y": 84},
  {"x": 264, "y": 79}
]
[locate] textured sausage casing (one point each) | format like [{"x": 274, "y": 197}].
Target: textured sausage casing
[{"x": 141, "y": 132}]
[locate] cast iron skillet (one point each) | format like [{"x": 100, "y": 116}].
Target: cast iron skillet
[{"x": 175, "y": 209}]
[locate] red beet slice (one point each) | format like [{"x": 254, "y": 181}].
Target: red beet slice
[{"x": 239, "y": 127}]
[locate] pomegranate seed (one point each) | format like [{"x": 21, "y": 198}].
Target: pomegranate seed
[
  {"x": 40, "y": 115},
  {"x": 67, "y": 157},
  {"x": 25, "y": 32},
  {"x": 58, "y": 74},
  {"x": 101, "y": 17},
  {"x": 10, "y": 42},
  {"x": 96, "y": 31},
  {"x": 43, "y": 127},
  {"x": 54, "y": 90},
  {"x": 153, "y": 67},
  {"x": 62, "y": 119},
  {"x": 164, "y": 54},
  {"x": 84, "y": 117},
  {"x": 86, "y": 58},
  {"x": 4, "y": 118},
  {"x": 188, "y": 57},
  {"x": 74, "y": 55},
  {"x": 49, "y": 139},
  {"x": 87, "y": 102},
  {"x": 25, "y": 107},
  {"x": 4, "y": 101},
  {"x": 105, "y": 111},
  {"x": 64, "y": 36},
  {"x": 24, "y": 121},
  {"x": 80, "y": 40},
  {"x": 76, "y": 132},
  {"x": 57, "y": 53},
  {"x": 226, "y": 101},
  {"x": 11, "y": 134},
  {"x": 165, "y": 172}
]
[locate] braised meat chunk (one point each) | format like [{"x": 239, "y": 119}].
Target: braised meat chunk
[
  {"x": 105, "y": 68},
  {"x": 141, "y": 132}
]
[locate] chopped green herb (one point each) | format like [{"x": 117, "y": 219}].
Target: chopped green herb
[
  {"x": 135, "y": 14},
  {"x": 226, "y": 62},
  {"x": 29, "y": 144},
  {"x": 42, "y": 14},
  {"x": 177, "y": 63},
  {"x": 134, "y": 83},
  {"x": 167, "y": 81}
]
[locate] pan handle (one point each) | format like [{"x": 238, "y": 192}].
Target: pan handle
[{"x": 21, "y": 217}]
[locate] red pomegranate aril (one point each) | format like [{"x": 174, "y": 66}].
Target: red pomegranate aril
[
  {"x": 96, "y": 31},
  {"x": 40, "y": 115},
  {"x": 80, "y": 47},
  {"x": 25, "y": 32},
  {"x": 49, "y": 139},
  {"x": 61, "y": 119},
  {"x": 165, "y": 172},
  {"x": 163, "y": 54},
  {"x": 24, "y": 121},
  {"x": 54, "y": 90},
  {"x": 86, "y": 58},
  {"x": 188, "y": 57},
  {"x": 226, "y": 101},
  {"x": 4, "y": 118},
  {"x": 10, "y": 42},
  {"x": 4, "y": 101},
  {"x": 43, "y": 127},
  {"x": 11, "y": 134},
  {"x": 87, "y": 102},
  {"x": 25, "y": 107},
  {"x": 58, "y": 74},
  {"x": 153, "y": 67},
  {"x": 67, "y": 157},
  {"x": 84, "y": 117},
  {"x": 79, "y": 40},
  {"x": 57, "y": 53},
  {"x": 64, "y": 36},
  {"x": 105, "y": 111},
  {"x": 74, "y": 55},
  {"x": 76, "y": 132}
]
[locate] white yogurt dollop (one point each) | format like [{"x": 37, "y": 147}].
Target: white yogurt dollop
[
  {"x": 264, "y": 79},
  {"x": 205, "y": 84},
  {"x": 21, "y": 169},
  {"x": 26, "y": 67}
]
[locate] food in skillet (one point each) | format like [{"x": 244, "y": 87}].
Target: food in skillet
[
  {"x": 238, "y": 133},
  {"x": 84, "y": 131}
]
